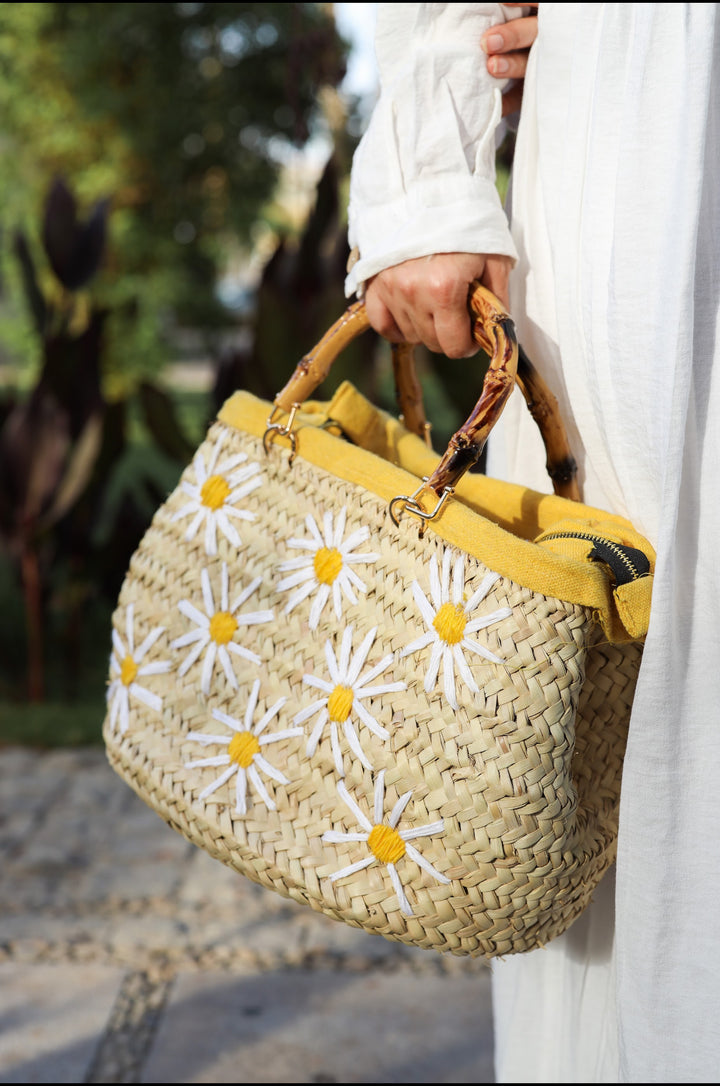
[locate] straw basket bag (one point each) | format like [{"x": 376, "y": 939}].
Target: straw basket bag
[{"x": 376, "y": 682}]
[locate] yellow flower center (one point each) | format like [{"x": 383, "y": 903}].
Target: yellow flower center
[
  {"x": 214, "y": 491},
  {"x": 128, "y": 670},
  {"x": 386, "y": 843},
  {"x": 340, "y": 704},
  {"x": 222, "y": 627},
  {"x": 242, "y": 748},
  {"x": 450, "y": 622},
  {"x": 328, "y": 563}
]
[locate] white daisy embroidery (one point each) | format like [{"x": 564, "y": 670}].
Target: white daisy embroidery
[
  {"x": 215, "y": 629},
  {"x": 126, "y": 664},
  {"x": 344, "y": 698},
  {"x": 242, "y": 756},
  {"x": 218, "y": 487},
  {"x": 449, "y": 623},
  {"x": 326, "y": 566},
  {"x": 387, "y": 844}
]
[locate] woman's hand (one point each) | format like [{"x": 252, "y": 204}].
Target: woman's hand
[
  {"x": 507, "y": 46},
  {"x": 425, "y": 300}
]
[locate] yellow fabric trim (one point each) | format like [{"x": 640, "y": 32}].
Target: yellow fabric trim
[
  {"x": 633, "y": 604},
  {"x": 495, "y": 522}
]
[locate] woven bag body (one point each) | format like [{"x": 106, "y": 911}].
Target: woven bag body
[
  {"x": 417, "y": 732},
  {"x": 399, "y": 738}
]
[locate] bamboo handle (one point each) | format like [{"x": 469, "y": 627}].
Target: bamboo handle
[{"x": 494, "y": 331}]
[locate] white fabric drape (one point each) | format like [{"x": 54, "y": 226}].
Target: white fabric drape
[
  {"x": 420, "y": 184},
  {"x": 616, "y": 295}
]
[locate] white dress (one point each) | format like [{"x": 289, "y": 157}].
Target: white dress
[{"x": 616, "y": 296}]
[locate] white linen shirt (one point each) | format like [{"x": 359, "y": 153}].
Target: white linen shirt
[{"x": 423, "y": 178}]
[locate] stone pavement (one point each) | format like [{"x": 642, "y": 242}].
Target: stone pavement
[{"x": 128, "y": 955}]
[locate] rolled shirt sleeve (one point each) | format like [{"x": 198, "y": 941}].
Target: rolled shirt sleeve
[{"x": 423, "y": 175}]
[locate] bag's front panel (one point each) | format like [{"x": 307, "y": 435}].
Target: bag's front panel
[{"x": 364, "y": 720}]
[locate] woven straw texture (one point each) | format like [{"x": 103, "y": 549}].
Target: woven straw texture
[{"x": 397, "y": 738}]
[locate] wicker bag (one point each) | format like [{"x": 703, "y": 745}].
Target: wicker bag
[{"x": 376, "y": 682}]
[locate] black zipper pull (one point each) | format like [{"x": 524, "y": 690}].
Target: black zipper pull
[{"x": 625, "y": 563}]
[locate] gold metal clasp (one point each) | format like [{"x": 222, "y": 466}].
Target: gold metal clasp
[
  {"x": 277, "y": 429},
  {"x": 410, "y": 504}
]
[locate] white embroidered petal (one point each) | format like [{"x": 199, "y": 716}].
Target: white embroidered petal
[
  {"x": 481, "y": 592},
  {"x": 398, "y": 888},
  {"x": 215, "y": 493},
  {"x": 369, "y": 720},
  {"x": 216, "y": 629},
  {"x": 217, "y": 760},
  {"x": 354, "y": 540},
  {"x": 423, "y": 863},
  {"x": 247, "y": 654},
  {"x": 255, "y": 779},
  {"x": 348, "y": 690},
  {"x": 318, "y": 606},
  {"x": 358, "y": 866},
  {"x": 270, "y": 770},
  {"x": 354, "y": 744},
  {"x": 336, "y": 837},
  {"x": 397, "y": 811},
  {"x": 316, "y": 706},
  {"x": 267, "y": 717},
  {"x": 315, "y": 734},
  {"x": 324, "y": 570},
  {"x": 146, "y": 697},
  {"x": 422, "y": 831},
  {"x": 426, "y": 610},
  {"x": 434, "y": 667},
  {"x": 449, "y": 620},
  {"x": 350, "y": 802},
  {"x": 148, "y": 643},
  {"x": 126, "y": 664},
  {"x": 192, "y": 655},
  {"x": 480, "y": 650},
  {"x": 224, "y": 659},
  {"x": 242, "y": 756},
  {"x": 217, "y": 783},
  {"x": 245, "y": 594},
  {"x": 160, "y": 667},
  {"x": 462, "y": 665},
  {"x": 193, "y": 614},
  {"x": 449, "y": 679},
  {"x": 373, "y": 673}
]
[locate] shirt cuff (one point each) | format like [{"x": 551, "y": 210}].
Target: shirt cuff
[{"x": 439, "y": 215}]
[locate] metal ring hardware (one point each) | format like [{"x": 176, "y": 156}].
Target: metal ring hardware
[
  {"x": 411, "y": 505},
  {"x": 276, "y": 428}
]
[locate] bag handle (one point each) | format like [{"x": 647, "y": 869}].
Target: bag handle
[
  {"x": 540, "y": 401},
  {"x": 493, "y": 330}
]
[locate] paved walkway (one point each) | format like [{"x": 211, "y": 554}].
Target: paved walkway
[{"x": 128, "y": 955}]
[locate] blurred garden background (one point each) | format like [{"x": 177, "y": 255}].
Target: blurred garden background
[{"x": 172, "y": 227}]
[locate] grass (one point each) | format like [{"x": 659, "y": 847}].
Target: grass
[
  {"x": 52, "y": 724},
  {"x": 75, "y": 674}
]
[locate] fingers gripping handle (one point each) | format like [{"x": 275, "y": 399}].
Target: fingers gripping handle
[{"x": 494, "y": 331}]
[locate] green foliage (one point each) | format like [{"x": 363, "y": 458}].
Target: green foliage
[
  {"x": 177, "y": 113},
  {"x": 140, "y": 143}
]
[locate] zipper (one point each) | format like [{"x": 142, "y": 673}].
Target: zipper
[{"x": 626, "y": 563}]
